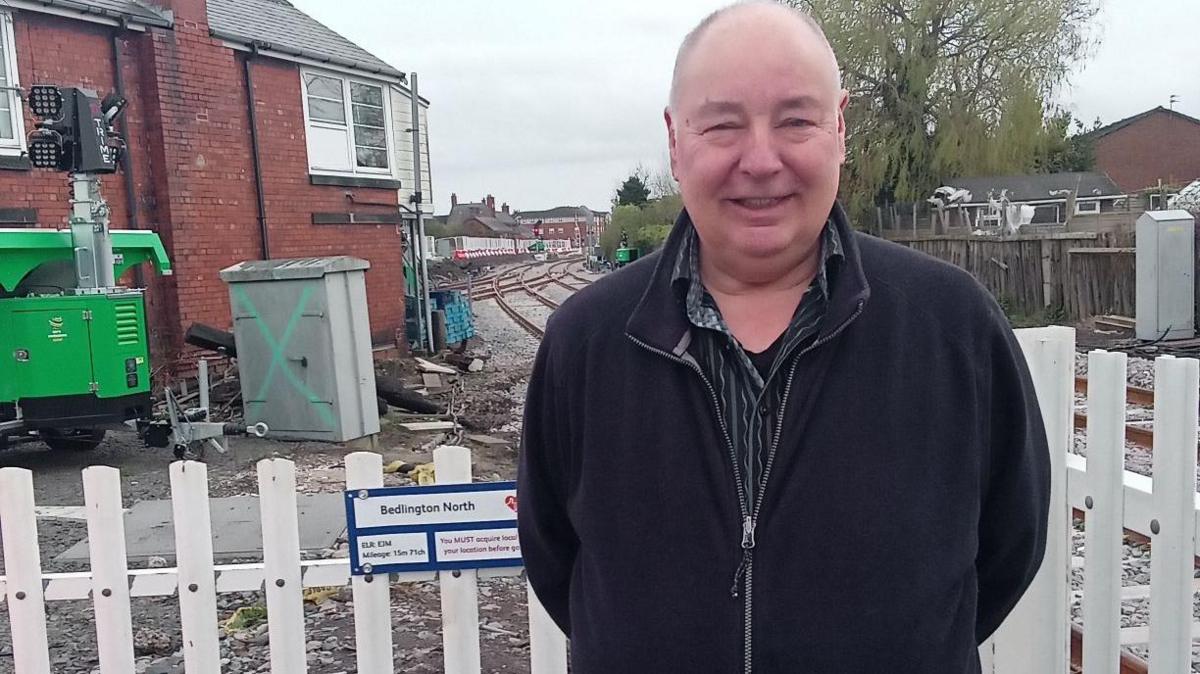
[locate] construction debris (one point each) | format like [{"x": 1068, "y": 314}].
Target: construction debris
[
  {"x": 213, "y": 339},
  {"x": 392, "y": 389},
  {"x": 465, "y": 363},
  {"x": 1121, "y": 322},
  {"x": 399, "y": 466},
  {"x": 423, "y": 474},
  {"x": 426, "y": 366},
  {"x": 488, "y": 440}
]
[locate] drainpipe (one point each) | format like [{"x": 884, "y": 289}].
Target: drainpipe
[
  {"x": 264, "y": 235},
  {"x": 131, "y": 207}
]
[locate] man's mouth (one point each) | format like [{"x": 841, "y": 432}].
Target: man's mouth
[{"x": 759, "y": 203}]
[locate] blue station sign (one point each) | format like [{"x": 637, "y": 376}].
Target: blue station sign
[{"x": 437, "y": 527}]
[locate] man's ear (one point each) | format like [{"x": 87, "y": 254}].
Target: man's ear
[
  {"x": 670, "y": 139},
  {"x": 845, "y": 100}
]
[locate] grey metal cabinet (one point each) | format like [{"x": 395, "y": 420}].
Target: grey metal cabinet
[
  {"x": 1166, "y": 266},
  {"x": 304, "y": 346}
]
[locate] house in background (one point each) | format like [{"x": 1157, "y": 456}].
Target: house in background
[
  {"x": 253, "y": 131},
  {"x": 1159, "y": 147},
  {"x": 482, "y": 219},
  {"x": 573, "y": 223},
  {"x": 1074, "y": 201}
]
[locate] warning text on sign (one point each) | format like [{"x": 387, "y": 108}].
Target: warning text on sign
[{"x": 469, "y": 546}]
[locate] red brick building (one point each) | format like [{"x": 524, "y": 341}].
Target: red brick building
[
  {"x": 573, "y": 223},
  {"x": 1156, "y": 145},
  {"x": 318, "y": 164}
]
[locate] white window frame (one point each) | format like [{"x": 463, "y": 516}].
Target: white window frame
[
  {"x": 1079, "y": 210},
  {"x": 14, "y": 147},
  {"x": 1163, "y": 200},
  {"x": 389, "y": 125}
]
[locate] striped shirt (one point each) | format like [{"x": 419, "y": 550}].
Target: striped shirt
[{"x": 750, "y": 394}]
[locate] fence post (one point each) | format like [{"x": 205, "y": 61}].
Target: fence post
[
  {"x": 110, "y": 569},
  {"x": 1104, "y": 505},
  {"x": 547, "y": 643},
  {"x": 194, "y": 559},
  {"x": 372, "y": 603},
  {"x": 460, "y": 593},
  {"x": 1036, "y": 636},
  {"x": 987, "y": 657},
  {"x": 1173, "y": 531},
  {"x": 281, "y": 565},
  {"x": 23, "y": 567}
]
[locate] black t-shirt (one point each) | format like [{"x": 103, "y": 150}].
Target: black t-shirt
[{"x": 764, "y": 359}]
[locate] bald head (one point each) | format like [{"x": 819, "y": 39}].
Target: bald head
[{"x": 745, "y": 14}]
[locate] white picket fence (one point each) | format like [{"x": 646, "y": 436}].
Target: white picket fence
[
  {"x": 1035, "y": 638},
  {"x": 282, "y": 575}
]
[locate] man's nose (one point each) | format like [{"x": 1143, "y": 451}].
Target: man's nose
[{"x": 760, "y": 155}]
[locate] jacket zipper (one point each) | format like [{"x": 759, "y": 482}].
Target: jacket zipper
[{"x": 750, "y": 519}]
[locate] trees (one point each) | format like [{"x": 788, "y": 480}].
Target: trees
[
  {"x": 1067, "y": 151},
  {"x": 634, "y": 192},
  {"x": 940, "y": 88},
  {"x": 646, "y": 227}
]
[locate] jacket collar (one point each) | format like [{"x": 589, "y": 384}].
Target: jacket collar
[{"x": 659, "y": 319}]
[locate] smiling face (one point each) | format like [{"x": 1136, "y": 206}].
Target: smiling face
[{"x": 757, "y": 134}]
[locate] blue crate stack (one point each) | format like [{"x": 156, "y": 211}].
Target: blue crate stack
[{"x": 460, "y": 325}]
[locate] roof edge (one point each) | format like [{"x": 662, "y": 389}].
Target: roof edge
[
  {"x": 1122, "y": 123},
  {"x": 91, "y": 13},
  {"x": 314, "y": 58}
]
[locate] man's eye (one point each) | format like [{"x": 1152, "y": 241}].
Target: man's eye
[
  {"x": 796, "y": 122},
  {"x": 724, "y": 126}
]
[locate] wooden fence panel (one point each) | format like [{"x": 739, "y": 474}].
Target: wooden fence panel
[{"x": 1081, "y": 274}]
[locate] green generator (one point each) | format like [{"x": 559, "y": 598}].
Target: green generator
[
  {"x": 623, "y": 255},
  {"x": 74, "y": 356}
]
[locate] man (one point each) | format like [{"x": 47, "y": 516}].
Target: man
[{"x": 777, "y": 445}]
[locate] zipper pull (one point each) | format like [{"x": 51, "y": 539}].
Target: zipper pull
[
  {"x": 737, "y": 576},
  {"x": 748, "y": 525}
]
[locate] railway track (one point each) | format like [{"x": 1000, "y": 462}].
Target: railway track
[
  {"x": 517, "y": 282},
  {"x": 1138, "y": 435}
]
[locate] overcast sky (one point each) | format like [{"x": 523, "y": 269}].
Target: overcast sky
[{"x": 545, "y": 103}]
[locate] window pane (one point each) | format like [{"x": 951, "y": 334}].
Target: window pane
[
  {"x": 365, "y": 114},
  {"x": 3, "y": 58},
  {"x": 365, "y": 93},
  {"x": 370, "y": 136},
  {"x": 371, "y": 158},
  {"x": 6, "y": 123},
  {"x": 325, "y": 87},
  {"x": 329, "y": 148},
  {"x": 326, "y": 111}
]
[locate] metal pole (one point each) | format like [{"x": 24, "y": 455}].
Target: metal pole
[
  {"x": 202, "y": 384},
  {"x": 89, "y": 234},
  {"x": 418, "y": 198}
]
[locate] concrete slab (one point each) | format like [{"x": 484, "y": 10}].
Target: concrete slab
[{"x": 237, "y": 530}]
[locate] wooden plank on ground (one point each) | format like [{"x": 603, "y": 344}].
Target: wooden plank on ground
[
  {"x": 1123, "y": 322},
  {"x": 488, "y": 440},
  {"x": 426, "y": 366},
  {"x": 429, "y": 426}
]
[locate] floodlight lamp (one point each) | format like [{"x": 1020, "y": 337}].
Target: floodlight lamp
[
  {"x": 45, "y": 148},
  {"x": 45, "y": 101}
]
